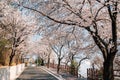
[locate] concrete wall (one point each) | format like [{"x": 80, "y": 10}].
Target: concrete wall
[{"x": 12, "y": 72}]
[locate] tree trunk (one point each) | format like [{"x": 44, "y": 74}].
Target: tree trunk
[
  {"x": 108, "y": 73},
  {"x": 11, "y": 60},
  {"x": 58, "y": 66},
  {"x": 48, "y": 64},
  {"x": 72, "y": 67},
  {"x": 11, "y": 57}
]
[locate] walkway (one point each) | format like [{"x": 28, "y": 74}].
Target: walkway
[{"x": 34, "y": 73}]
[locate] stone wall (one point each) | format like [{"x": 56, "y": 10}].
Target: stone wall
[{"x": 12, "y": 72}]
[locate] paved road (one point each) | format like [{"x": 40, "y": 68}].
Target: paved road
[{"x": 33, "y": 73}]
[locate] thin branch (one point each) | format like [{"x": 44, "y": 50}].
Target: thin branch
[
  {"x": 81, "y": 61},
  {"x": 55, "y": 20}
]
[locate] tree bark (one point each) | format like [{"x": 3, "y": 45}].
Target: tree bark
[
  {"x": 11, "y": 57},
  {"x": 11, "y": 60},
  {"x": 72, "y": 68},
  {"x": 58, "y": 66},
  {"x": 48, "y": 64},
  {"x": 108, "y": 72}
]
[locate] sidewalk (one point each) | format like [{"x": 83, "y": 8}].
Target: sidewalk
[{"x": 61, "y": 75}]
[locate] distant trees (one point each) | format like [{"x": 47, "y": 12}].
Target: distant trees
[
  {"x": 57, "y": 44},
  {"x": 58, "y": 49},
  {"x": 65, "y": 44}
]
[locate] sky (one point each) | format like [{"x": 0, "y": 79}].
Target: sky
[
  {"x": 35, "y": 37},
  {"x": 83, "y": 68}
]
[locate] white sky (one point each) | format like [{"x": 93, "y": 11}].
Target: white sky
[{"x": 83, "y": 68}]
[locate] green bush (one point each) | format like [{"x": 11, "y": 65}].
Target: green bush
[
  {"x": 38, "y": 61},
  {"x": 73, "y": 67}
]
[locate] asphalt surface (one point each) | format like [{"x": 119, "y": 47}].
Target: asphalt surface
[{"x": 34, "y": 73}]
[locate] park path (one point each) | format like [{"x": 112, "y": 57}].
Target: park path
[{"x": 35, "y": 73}]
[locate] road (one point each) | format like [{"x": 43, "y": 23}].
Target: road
[{"x": 34, "y": 73}]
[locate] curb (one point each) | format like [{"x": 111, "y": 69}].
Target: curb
[{"x": 59, "y": 77}]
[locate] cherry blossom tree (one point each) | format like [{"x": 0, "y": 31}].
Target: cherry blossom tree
[
  {"x": 15, "y": 26},
  {"x": 99, "y": 17}
]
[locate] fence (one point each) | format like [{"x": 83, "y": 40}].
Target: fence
[
  {"x": 66, "y": 69},
  {"x": 94, "y": 74}
]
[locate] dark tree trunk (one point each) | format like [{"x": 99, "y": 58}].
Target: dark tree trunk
[
  {"x": 72, "y": 67},
  {"x": 48, "y": 64},
  {"x": 42, "y": 63},
  {"x": 108, "y": 72},
  {"x": 58, "y": 66},
  {"x": 11, "y": 60},
  {"x": 11, "y": 57}
]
